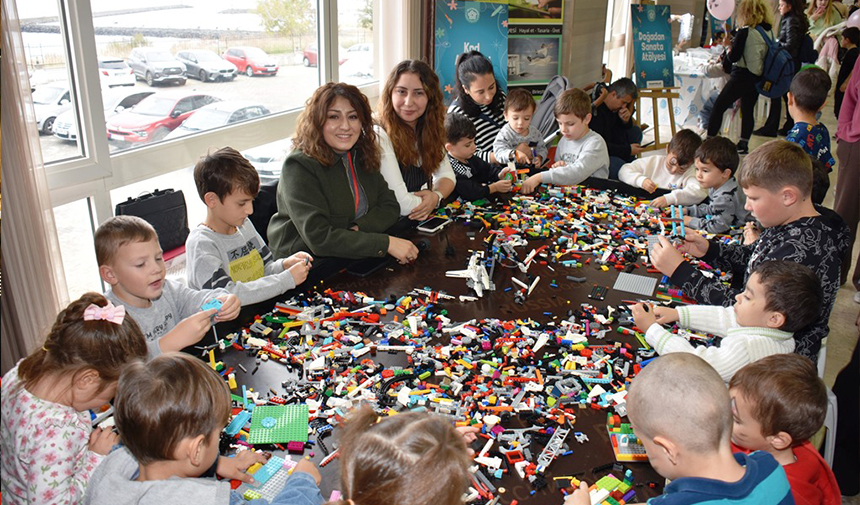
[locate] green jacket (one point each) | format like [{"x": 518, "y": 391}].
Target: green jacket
[{"x": 316, "y": 209}]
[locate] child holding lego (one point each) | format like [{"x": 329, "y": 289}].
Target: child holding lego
[
  {"x": 170, "y": 413},
  {"x": 48, "y": 447},
  {"x": 581, "y": 153},
  {"x": 778, "y": 403},
  {"x": 431, "y": 458},
  {"x": 780, "y": 298},
  {"x": 680, "y": 410},
  {"x": 476, "y": 179},
  {"x": 671, "y": 172},
  {"x": 168, "y": 313},
  {"x": 777, "y": 181},
  {"x": 806, "y": 96},
  {"x": 518, "y": 140},
  {"x": 716, "y": 163},
  {"x": 226, "y": 251}
]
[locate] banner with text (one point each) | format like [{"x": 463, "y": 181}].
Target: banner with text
[
  {"x": 534, "y": 43},
  {"x": 463, "y": 26},
  {"x": 652, "y": 46}
]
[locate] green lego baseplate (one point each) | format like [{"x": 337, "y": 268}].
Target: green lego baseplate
[{"x": 290, "y": 424}]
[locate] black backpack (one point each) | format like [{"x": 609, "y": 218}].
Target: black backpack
[{"x": 778, "y": 70}]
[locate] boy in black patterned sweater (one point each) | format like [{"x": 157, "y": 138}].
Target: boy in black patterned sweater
[
  {"x": 476, "y": 179},
  {"x": 777, "y": 181}
]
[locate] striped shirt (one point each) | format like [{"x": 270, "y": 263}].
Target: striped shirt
[
  {"x": 764, "y": 483},
  {"x": 487, "y": 124},
  {"x": 740, "y": 346}
]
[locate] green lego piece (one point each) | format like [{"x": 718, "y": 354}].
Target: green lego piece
[
  {"x": 250, "y": 494},
  {"x": 611, "y": 501},
  {"x": 291, "y": 424},
  {"x": 608, "y": 482}
]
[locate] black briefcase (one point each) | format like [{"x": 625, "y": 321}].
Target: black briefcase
[{"x": 165, "y": 210}]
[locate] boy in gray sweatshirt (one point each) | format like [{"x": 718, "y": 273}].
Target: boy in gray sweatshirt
[
  {"x": 581, "y": 153},
  {"x": 519, "y": 140},
  {"x": 716, "y": 163}
]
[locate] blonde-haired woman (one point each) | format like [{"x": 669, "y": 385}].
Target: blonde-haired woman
[
  {"x": 822, "y": 16},
  {"x": 745, "y": 63}
]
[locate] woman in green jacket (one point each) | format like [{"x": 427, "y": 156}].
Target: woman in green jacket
[{"x": 332, "y": 200}]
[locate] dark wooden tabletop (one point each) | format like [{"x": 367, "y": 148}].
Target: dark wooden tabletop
[{"x": 545, "y": 304}]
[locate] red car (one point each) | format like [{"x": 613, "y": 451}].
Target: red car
[
  {"x": 154, "y": 117},
  {"x": 252, "y": 61}
]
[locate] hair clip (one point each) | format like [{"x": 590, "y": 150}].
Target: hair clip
[{"x": 110, "y": 312}]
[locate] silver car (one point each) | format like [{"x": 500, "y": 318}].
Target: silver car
[
  {"x": 206, "y": 65},
  {"x": 156, "y": 66}
]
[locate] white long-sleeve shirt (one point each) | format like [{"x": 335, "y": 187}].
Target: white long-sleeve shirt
[
  {"x": 685, "y": 189},
  {"x": 583, "y": 158},
  {"x": 741, "y": 345},
  {"x": 390, "y": 169}
]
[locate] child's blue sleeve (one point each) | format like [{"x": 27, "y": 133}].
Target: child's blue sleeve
[{"x": 300, "y": 489}]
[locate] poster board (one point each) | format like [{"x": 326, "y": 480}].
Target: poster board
[
  {"x": 652, "y": 46},
  {"x": 534, "y": 43}
]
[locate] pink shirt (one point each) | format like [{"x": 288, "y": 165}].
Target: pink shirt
[
  {"x": 44, "y": 456},
  {"x": 849, "y": 114}
]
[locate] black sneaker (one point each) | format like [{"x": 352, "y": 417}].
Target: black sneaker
[
  {"x": 764, "y": 132},
  {"x": 783, "y": 131},
  {"x": 743, "y": 147}
]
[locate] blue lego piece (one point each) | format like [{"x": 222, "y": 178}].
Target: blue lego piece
[
  {"x": 237, "y": 423},
  {"x": 273, "y": 466},
  {"x": 212, "y": 304}
]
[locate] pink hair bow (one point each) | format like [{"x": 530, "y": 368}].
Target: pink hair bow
[{"x": 110, "y": 312}]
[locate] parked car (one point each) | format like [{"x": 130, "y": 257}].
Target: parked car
[
  {"x": 115, "y": 72},
  {"x": 156, "y": 66},
  {"x": 269, "y": 159},
  {"x": 356, "y": 49},
  {"x": 206, "y": 65},
  {"x": 309, "y": 56},
  {"x": 218, "y": 114},
  {"x": 114, "y": 102},
  {"x": 49, "y": 101},
  {"x": 251, "y": 61},
  {"x": 154, "y": 117}
]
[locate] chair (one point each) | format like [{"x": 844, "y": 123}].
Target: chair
[
  {"x": 832, "y": 409},
  {"x": 265, "y": 206}
]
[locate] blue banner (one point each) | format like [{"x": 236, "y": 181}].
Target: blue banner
[
  {"x": 652, "y": 46},
  {"x": 465, "y": 26}
]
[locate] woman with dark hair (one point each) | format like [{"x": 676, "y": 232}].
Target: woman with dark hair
[
  {"x": 412, "y": 139},
  {"x": 792, "y": 32},
  {"x": 332, "y": 200},
  {"x": 479, "y": 99}
]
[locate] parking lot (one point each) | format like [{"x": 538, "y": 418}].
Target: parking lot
[{"x": 288, "y": 89}]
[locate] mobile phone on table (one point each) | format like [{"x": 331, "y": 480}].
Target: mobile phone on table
[{"x": 433, "y": 224}]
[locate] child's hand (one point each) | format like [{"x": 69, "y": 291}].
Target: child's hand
[
  {"x": 666, "y": 315},
  {"x": 665, "y": 257},
  {"x": 687, "y": 219},
  {"x": 642, "y": 316},
  {"x": 102, "y": 440},
  {"x": 187, "y": 332},
  {"x": 230, "y": 306},
  {"x": 308, "y": 467},
  {"x": 530, "y": 184},
  {"x": 694, "y": 244},
  {"x": 659, "y": 202},
  {"x": 508, "y": 170},
  {"x": 234, "y": 468},
  {"x": 299, "y": 257},
  {"x": 503, "y": 186},
  {"x": 579, "y": 497},
  {"x": 559, "y": 163},
  {"x": 751, "y": 233},
  {"x": 649, "y": 186},
  {"x": 538, "y": 161},
  {"x": 299, "y": 271},
  {"x": 469, "y": 436}
]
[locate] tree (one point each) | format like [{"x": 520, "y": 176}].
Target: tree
[
  {"x": 365, "y": 16},
  {"x": 292, "y": 18}
]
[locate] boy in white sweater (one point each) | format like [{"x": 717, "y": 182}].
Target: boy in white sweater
[
  {"x": 780, "y": 298},
  {"x": 673, "y": 172},
  {"x": 581, "y": 153},
  {"x": 225, "y": 251}
]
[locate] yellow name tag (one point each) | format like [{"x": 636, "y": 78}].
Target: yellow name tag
[{"x": 247, "y": 268}]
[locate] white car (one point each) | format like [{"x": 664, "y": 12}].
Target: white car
[
  {"x": 114, "y": 101},
  {"x": 269, "y": 159},
  {"x": 115, "y": 72},
  {"x": 218, "y": 114},
  {"x": 49, "y": 101}
]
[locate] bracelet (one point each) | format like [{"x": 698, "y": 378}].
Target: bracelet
[{"x": 439, "y": 194}]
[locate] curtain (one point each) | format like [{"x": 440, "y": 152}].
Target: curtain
[{"x": 34, "y": 287}]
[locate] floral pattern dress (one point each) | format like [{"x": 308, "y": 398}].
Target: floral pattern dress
[{"x": 44, "y": 458}]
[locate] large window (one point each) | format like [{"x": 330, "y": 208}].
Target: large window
[{"x": 148, "y": 87}]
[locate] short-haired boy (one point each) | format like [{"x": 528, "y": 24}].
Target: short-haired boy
[
  {"x": 780, "y": 298},
  {"x": 170, "y": 413},
  {"x": 225, "y": 251},
  {"x": 168, "y": 312},
  {"x": 581, "y": 153},
  {"x": 850, "y": 41},
  {"x": 671, "y": 172},
  {"x": 716, "y": 164},
  {"x": 778, "y": 404},
  {"x": 806, "y": 96},
  {"x": 518, "y": 140},
  {"x": 777, "y": 181},
  {"x": 476, "y": 179},
  {"x": 680, "y": 410}
]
